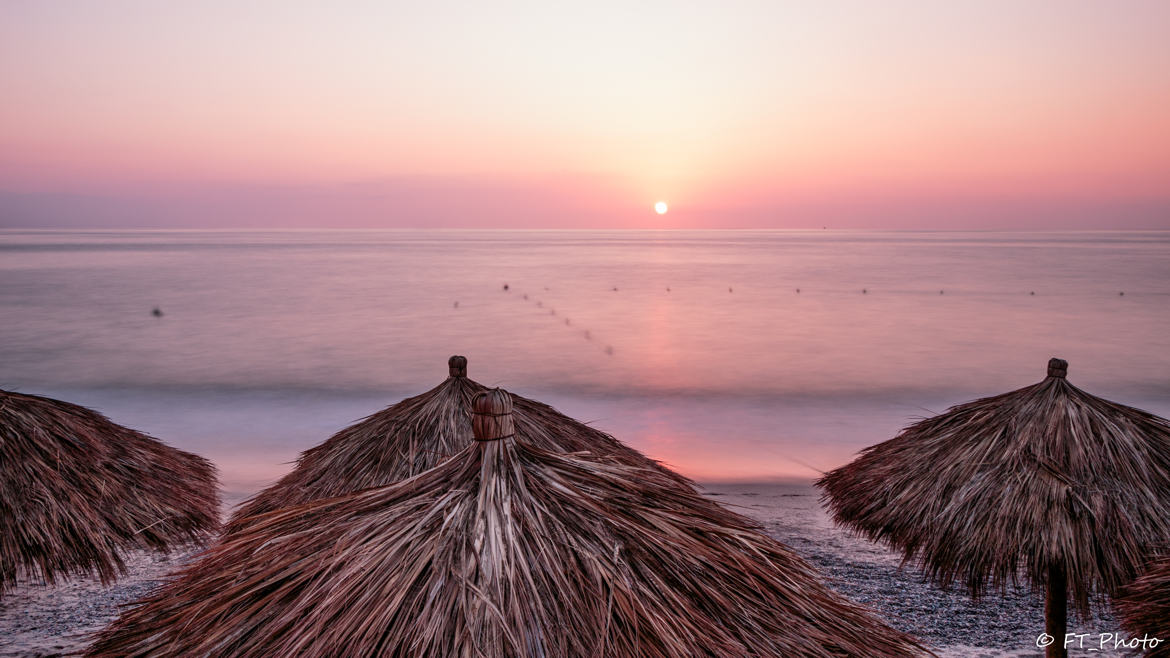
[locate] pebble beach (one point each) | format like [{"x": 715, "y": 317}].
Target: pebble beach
[
  {"x": 37, "y": 620},
  {"x": 406, "y": 328},
  {"x": 730, "y": 355}
]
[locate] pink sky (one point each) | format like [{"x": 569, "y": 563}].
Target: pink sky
[{"x": 896, "y": 114}]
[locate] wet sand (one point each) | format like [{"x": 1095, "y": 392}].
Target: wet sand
[
  {"x": 36, "y": 620},
  {"x": 40, "y": 620}
]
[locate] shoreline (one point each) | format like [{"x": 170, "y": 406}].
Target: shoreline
[
  {"x": 36, "y": 620},
  {"x": 42, "y": 620},
  {"x": 948, "y": 622}
]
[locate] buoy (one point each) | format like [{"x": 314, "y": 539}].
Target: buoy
[
  {"x": 156, "y": 312},
  {"x": 505, "y": 287}
]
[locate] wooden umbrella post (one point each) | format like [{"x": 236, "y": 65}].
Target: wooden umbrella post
[
  {"x": 1056, "y": 438},
  {"x": 1056, "y": 612}
]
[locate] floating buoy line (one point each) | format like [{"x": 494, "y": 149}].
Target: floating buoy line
[
  {"x": 552, "y": 312},
  {"x": 608, "y": 349}
]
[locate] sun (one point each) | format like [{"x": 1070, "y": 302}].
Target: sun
[{"x": 660, "y": 208}]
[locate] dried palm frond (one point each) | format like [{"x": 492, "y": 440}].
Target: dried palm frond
[
  {"x": 1144, "y": 607},
  {"x": 416, "y": 434},
  {"x": 505, "y": 549},
  {"x": 77, "y": 491},
  {"x": 1065, "y": 489}
]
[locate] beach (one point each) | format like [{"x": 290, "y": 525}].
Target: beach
[
  {"x": 45, "y": 621},
  {"x": 427, "y": 317},
  {"x": 731, "y": 356}
]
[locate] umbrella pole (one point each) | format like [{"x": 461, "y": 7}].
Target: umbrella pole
[{"x": 1056, "y": 612}]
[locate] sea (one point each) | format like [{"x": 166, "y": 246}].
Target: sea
[{"x": 731, "y": 356}]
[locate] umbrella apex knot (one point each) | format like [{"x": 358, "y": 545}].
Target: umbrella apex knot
[
  {"x": 491, "y": 416},
  {"x": 457, "y": 365},
  {"x": 1057, "y": 368}
]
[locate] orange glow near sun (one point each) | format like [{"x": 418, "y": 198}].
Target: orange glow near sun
[{"x": 384, "y": 116}]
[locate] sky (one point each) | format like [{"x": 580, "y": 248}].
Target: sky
[{"x": 916, "y": 114}]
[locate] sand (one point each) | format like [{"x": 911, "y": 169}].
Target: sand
[
  {"x": 946, "y": 621},
  {"x": 36, "y": 620},
  {"x": 41, "y": 620}
]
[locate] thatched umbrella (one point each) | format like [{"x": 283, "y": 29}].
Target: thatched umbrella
[
  {"x": 418, "y": 433},
  {"x": 1065, "y": 488},
  {"x": 77, "y": 490},
  {"x": 506, "y": 549},
  {"x": 1144, "y": 608}
]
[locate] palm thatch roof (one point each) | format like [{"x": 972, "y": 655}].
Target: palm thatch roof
[
  {"x": 77, "y": 491},
  {"x": 1144, "y": 607},
  {"x": 505, "y": 549},
  {"x": 1047, "y": 482},
  {"x": 418, "y": 433}
]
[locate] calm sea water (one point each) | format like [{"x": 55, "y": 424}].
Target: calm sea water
[{"x": 730, "y": 355}]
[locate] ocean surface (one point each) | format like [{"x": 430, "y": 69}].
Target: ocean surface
[{"x": 729, "y": 355}]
